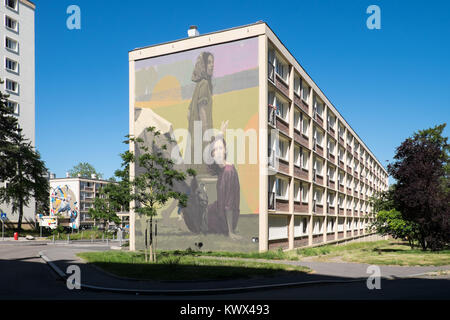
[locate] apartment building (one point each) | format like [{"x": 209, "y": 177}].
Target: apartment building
[
  {"x": 73, "y": 197},
  {"x": 17, "y": 71},
  {"x": 314, "y": 175}
]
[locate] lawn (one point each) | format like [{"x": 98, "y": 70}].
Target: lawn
[
  {"x": 173, "y": 266},
  {"x": 386, "y": 252}
]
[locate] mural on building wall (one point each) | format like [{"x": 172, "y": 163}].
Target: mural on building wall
[
  {"x": 206, "y": 100},
  {"x": 63, "y": 201}
]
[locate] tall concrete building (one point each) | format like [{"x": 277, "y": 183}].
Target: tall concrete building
[
  {"x": 17, "y": 70},
  {"x": 296, "y": 173}
]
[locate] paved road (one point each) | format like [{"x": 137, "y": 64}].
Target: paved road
[{"x": 25, "y": 276}]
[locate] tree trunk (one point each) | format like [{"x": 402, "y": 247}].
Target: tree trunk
[{"x": 19, "y": 221}]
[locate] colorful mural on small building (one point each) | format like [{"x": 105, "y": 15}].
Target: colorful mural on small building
[{"x": 63, "y": 201}]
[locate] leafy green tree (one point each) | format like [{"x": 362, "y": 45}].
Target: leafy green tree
[
  {"x": 383, "y": 200},
  {"x": 103, "y": 210},
  {"x": 153, "y": 184},
  {"x": 85, "y": 170},
  {"x": 20, "y": 165},
  {"x": 392, "y": 223}
]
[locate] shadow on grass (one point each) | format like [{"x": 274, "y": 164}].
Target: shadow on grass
[{"x": 178, "y": 272}]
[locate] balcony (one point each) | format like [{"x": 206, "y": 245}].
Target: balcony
[
  {"x": 331, "y": 157},
  {"x": 301, "y": 103}
]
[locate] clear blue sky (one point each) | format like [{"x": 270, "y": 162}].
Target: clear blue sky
[{"x": 386, "y": 83}]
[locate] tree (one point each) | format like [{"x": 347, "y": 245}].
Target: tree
[
  {"x": 104, "y": 210},
  {"x": 383, "y": 200},
  {"x": 391, "y": 222},
  {"x": 422, "y": 189},
  {"x": 113, "y": 197},
  {"x": 153, "y": 184},
  {"x": 20, "y": 165},
  {"x": 85, "y": 170}
]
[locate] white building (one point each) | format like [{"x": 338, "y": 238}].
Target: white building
[{"x": 17, "y": 70}]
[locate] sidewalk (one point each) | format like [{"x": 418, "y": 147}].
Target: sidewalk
[{"x": 59, "y": 258}]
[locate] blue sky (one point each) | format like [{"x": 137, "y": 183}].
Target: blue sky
[{"x": 386, "y": 83}]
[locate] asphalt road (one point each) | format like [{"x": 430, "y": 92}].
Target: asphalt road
[{"x": 25, "y": 276}]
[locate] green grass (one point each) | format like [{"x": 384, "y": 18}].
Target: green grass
[
  {"x": 85, "y": 235},
  {"x": 172, "y": 266},
  {"x": 269, "y": 255},
  {"x": 386, "y": 252}
]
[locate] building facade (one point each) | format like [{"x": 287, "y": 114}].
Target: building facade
[
  {"x": 72, "y": 198},
  {"x": 17, "y": 71},
  {"x": 296, "y": 174}
]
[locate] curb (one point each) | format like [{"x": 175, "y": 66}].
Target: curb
[{"x": 64, "y": 277}]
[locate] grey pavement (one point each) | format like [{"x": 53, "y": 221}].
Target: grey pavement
[
  {"x": 24, "y": 275},
  {"x": 323, "y": 272}
]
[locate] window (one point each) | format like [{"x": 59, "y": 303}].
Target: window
[
  {"x": 11, "y": 44},
  {"x": 11, "y": 65},
  {"x": 318, "y": 166},
  {"x": 341, "y": 154},
  {"x": 330, "y": 226},
  {"x": 297, "y": 86},
  {"x": 281, "y": 188},
  {"x": 305, "y": 158},
  {"x": 331, "y": 120},
  {"x": 305, "y": 225},
  {"x": 330, "y": 173},
  {"x": 318, "y": 136},
  {"x": 340, "y": 225},
  {"x": 297, "y": 156},
  {"x": 318, "y": 107},
  {"x": 10, "y": 23},
  {"x": 341, "y": 130},
  {"x": 305, "y": 90},
  {"x": 11, "y": 85},
  {"x": 341, "y": 178},
  {"x": 330, "y": 199},
  {"x": 297, "y": 193},
  {"x": 305, "y": 125},
  {"x": 304, "y": 190},
  {"x": 12, "y": 4},
  {"x": 283, "y": 149},
  {"x": 282, "y": 108},
  {"x": 13, "y": 106},
  {"x": 341, "y": 202},
  {"x": 318, "y": 195},
  {"x": 318, "y": 226},
  {"x": 278, "y": 227},
  {"x": 331, "y": 146},
  {"x": 281, "y": 69},
  {"x": 297, "y": 120}
]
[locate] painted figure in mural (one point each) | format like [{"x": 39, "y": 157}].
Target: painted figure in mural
[
  {"x": 200, "y": 108},
  {"x": 223, "y": 214}
]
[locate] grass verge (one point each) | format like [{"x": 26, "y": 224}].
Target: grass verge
[
  {"x": 386, "y": 252},
  {"x": 172, "y": 266}
]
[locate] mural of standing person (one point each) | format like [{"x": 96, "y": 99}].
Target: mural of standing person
[
  {"x": 200, "y": 108},
  {"x": 223, "y": 214}
]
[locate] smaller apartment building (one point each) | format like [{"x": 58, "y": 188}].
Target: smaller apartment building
[{"x": 73, "y": 197}]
